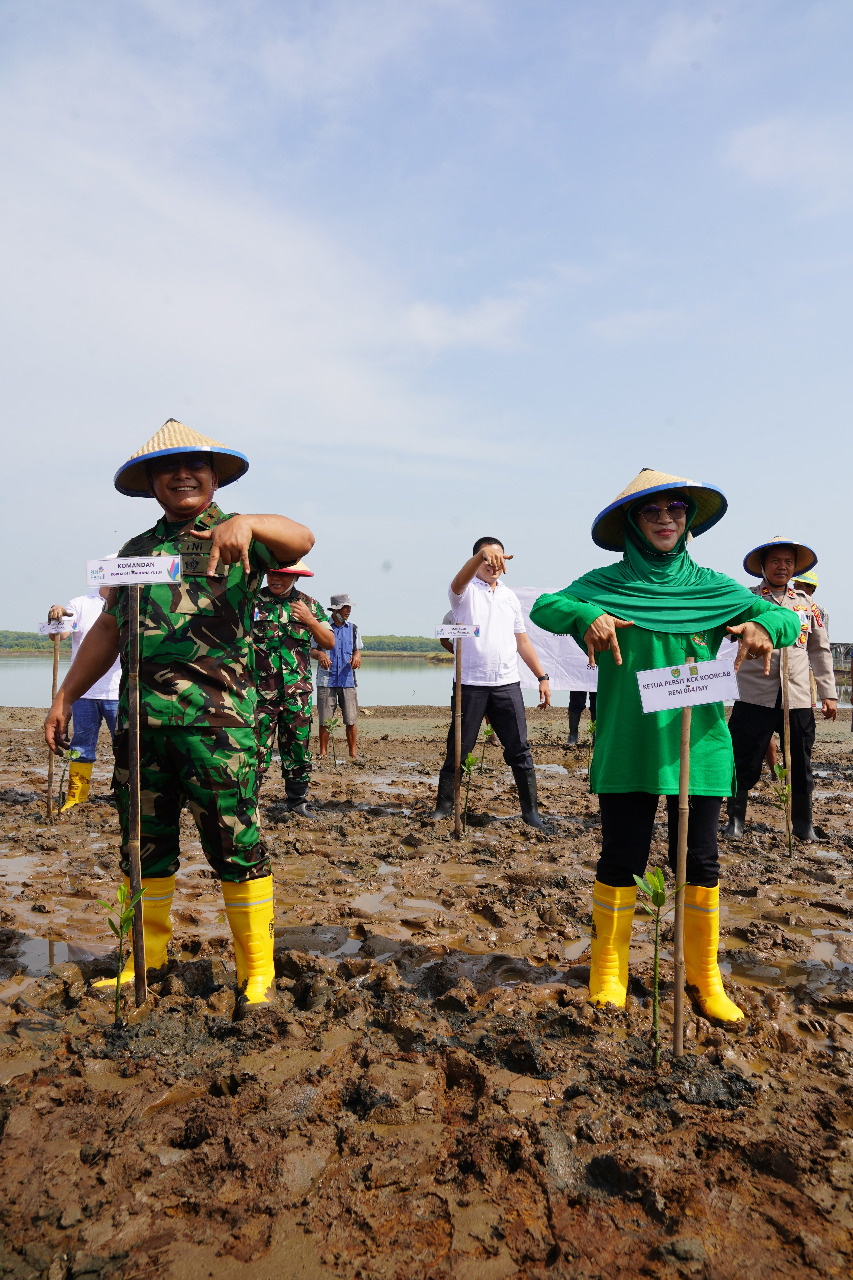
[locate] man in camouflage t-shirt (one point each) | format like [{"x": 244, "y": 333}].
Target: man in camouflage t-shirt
[
  {"x": 287, "y": 623},
  {"x": 197, "y": 690}
]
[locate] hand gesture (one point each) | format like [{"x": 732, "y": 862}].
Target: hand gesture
[
  {"x": 229, "y": 542},
  {"x": 300, "y": 612},
  {"x": 56, "y": 727},
  {"x": 495, "y": 559},
  {"x": 57, "y": 612},
  {"x": 324, "y": 661},
  {"x": 601, "y": 636},
  {"x": 753, "y": 642},
  {"x": 830, "y": 709}
]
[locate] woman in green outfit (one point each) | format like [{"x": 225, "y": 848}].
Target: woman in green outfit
[{"x": 656, "y": 608}]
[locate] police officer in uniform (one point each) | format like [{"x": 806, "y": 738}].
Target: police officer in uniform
[{"x": 757, "y": 713}]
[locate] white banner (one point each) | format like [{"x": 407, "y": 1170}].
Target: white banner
[
  {"x": 456, "y": 630},
  {"x": 57, "y": 628},
  {"x": 687, "y": 685},
  {"x": 131, "y": 569},
  {"x": 561, "y": 656}
]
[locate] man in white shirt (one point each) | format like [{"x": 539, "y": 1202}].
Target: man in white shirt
[
  {"x": 98, "y": 705},
  {"x": 490, "y": 684}
]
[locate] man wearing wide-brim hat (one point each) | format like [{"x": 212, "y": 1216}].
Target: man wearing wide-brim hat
[
  {"x": 336, "y": 681},
  {"x": 757, "y": 714},
  {"x": 287, "y": 623},
  {"x": 656, "y": 608},
  {"x": 197, "y": 692}
]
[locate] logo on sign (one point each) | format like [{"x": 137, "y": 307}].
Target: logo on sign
[
  {"x": 175, "y": 570},
  {"x": 97, "y": 575},
  {"x": 675, "y": 672},
  {"x": 694, "y": 671},
  {"x": 476, "y": 631}
]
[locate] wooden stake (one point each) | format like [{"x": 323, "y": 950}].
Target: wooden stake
[
  {"x": 680, "y": 878},
  {"x": 140, "y": 988},
  {"x": 50, "y": 756},
  {"x": 457, "y": 799},
  {"x": 786, "y": 722}
]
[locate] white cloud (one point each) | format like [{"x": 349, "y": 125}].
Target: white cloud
[
  {"x": 682, "y": 40},
  {"x": 812, "y": 159},
  {"x": 649, "y": 325}
]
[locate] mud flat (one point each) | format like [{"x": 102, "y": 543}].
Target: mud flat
[{"x": 431, "y": 1095}]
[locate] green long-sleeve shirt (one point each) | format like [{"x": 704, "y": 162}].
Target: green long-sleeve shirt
[{"x": 640, "y": 752}]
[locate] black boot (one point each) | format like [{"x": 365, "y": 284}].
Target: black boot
[
  {"x": 574, "y": 725},
  {"x": 444, "y": 801},
  {"x": 801, "y": 816},
  {"x": 525, "y": 780},
  {"x": 296, "y": 793},
  {"x": 736, "y": 809}
]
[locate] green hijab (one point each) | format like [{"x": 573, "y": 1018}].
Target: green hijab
[{"x": 662, "y": 590}]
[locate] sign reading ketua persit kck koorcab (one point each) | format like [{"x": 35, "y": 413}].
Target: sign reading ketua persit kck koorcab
[
  {"x": 130, "y": 569},
  {"x": 690, "y": 684}
]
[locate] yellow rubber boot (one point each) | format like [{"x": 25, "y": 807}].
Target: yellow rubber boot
[
  {"x": 701, "y": 940},
  {"x": 612, "y": 917},
  {"x": 156, "y": 927},
  {"x": 249, "y": 907},
  {"x": 79, "y": 778}
]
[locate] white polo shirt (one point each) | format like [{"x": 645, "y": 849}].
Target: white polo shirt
[
  {"x": 491, "y": 658},
  {"x": 86, "y": 610}
]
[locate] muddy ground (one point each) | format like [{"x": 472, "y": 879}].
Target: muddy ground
[{"x": 432, "y": 1095}]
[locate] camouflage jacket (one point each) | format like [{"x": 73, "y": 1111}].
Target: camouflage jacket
[
  {"x": 282, "y": 647},
  {"x": 196, "y": 658}
]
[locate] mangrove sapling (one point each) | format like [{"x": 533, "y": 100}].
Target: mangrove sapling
[
  {"x": 590, "y": 744},
  {"x": 120, "y": 922},
  {"x": 655, "y": 889},
  {"x": 488, "y": 734},
  {"x": 468, "y": 766},
  {"x": 70, "y": 756},
  {"x": 330, "y": 726},
  {"x": 781, "y": 800}
]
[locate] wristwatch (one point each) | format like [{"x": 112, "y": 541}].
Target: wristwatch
[{"x": 545, "y": 677}]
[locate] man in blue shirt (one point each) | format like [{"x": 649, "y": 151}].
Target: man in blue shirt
[{"x": 335, "y": 679}]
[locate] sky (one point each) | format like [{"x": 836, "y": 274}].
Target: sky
[{"x": 439, "y": 268}]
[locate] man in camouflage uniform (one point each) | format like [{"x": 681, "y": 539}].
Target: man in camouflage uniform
[
  {"x": 197, "y": 691},
  {"x": 287, "y": 623}
]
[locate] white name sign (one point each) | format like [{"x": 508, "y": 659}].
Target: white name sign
[
  {"x": 132, "y": 569},
  {"x": 456, "y": 631},
  {"x": 687, "y": 685},
  {"x": 57, "y": 628}
]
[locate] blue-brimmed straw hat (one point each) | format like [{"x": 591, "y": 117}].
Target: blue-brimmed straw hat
[
  {"x": 173, "y": 437},
  {"x": 608, "y": 527},
  {"x": 804, "y": 557}
]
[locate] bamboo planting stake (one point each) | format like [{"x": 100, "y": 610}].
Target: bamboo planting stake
[
  {"x": 50, "y": 756},
  {"x": 457, "y": 716},
  {"x": 680, "y": 878},
  {"x": 786, "y": 722},
  {"x": 140, "y": 989}
]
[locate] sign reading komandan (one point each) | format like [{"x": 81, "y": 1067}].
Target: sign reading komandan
[
  {"x": 130, "y": 569},
  {"x": 688, "y": 685}
]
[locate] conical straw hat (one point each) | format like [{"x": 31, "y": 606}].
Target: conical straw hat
[
  {"x": 298, "y": 570},
  {"x": 805, "y": 558},
  {"x": 174, "y": 437},
  {"x": 809, "y": 577},
  {"x": 608, "y": 527}
]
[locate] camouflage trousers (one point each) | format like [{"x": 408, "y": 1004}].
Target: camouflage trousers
[
  {"x": 212, "y": 771},
  {"x": 291, "y": 717}
]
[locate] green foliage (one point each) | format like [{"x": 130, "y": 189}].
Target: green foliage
[
  {"x": 330, "y": 726},
  {"x": 488, "y": 734},
  {"x": 400, "y": 644},
  {"x": 591, "y": 743},
  {"x": 29, "y": 642},
  {"x": 782, "y": 800},
  {"x": 654, "y": 887},
  {"x": 120, "y": 921}
]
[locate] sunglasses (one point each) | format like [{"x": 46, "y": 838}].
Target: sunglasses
[{"x": 653, "y": 514}]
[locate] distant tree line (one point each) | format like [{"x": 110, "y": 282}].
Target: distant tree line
[
  {"x": 400, "y": 644},
  {"x": 31, "y": 641}
]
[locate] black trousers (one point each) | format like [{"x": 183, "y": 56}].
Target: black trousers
[
  {"x": 504, "y": 706},
  {"x": 627, "y": 823},
  {"x": 577, "y": 701},
  {"x": 752, "y": 727}
]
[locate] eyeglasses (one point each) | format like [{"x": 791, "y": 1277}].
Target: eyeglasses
[{"x": 653, "y": 514}]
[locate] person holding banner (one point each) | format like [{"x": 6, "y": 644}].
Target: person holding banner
[
  {"x": 656, "y": 608},
  {"x": 98, "y": 705},
  {"x": 758, "y": 711},
  {"x": 197, "y": 690},
  {"x": 490, "y": 684}
]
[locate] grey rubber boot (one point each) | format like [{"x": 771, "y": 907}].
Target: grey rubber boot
[
  {"x": 445, "y": 798},
  {"x": 801, "y": 817},
  {"x": 736, "y": 809},
  {"x": 574, "y": 725},
  {"x": 525, "y": 780},
  {"x": 296, "y": 792}
]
